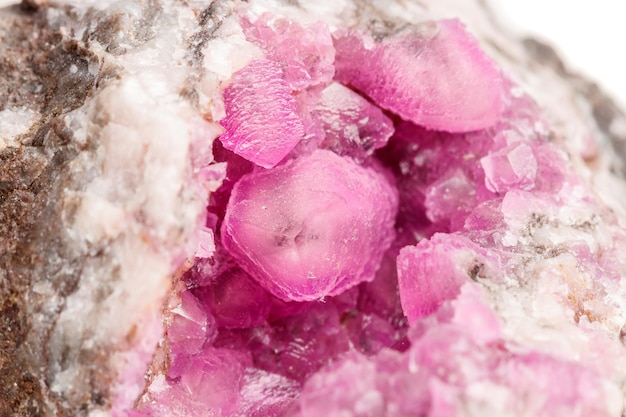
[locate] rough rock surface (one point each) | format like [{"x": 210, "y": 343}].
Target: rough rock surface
[{"x": 108, "y": 113}]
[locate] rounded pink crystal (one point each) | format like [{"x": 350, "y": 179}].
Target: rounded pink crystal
[
  {"x": 311, "y": 228},
  {"x": 435, "y": 75}
]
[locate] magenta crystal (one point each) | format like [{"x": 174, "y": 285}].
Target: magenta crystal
[
  {"x": 434, "y": 75},
  {"x": 301, "y": 344},
  {"x": 380, "y": 237},
  {"x": 311, "y": 228},
  {"x": 262, "y": 123},
  {"x": 235, "y": 300}
]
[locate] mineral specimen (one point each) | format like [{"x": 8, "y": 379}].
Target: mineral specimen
[{"x": 261, "y": 208}]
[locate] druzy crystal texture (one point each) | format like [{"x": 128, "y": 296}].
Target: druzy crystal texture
[{"x": 304, "y": 209}]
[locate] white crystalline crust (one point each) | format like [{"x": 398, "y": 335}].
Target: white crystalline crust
[
  {"x": 13, "y": 123},
  {"x": 145, "y": 201}
]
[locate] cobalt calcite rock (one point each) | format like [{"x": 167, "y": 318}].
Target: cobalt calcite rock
[{"x": 262, "y": 208}]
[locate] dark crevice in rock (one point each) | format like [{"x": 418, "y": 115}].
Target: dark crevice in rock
[
  {"x": 607, "y": 115},
  {"x": 545, "y": 54},
  {"x": 32, "y": 5}
]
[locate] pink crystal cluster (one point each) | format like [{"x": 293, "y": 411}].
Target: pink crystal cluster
[{"x": 373, "y": 187}]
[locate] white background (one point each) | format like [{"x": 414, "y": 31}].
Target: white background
[{"x": 589, "y": 35}]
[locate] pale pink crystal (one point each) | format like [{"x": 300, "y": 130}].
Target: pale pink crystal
[
  {"x": 206, "y": 244},
  {"x": 305, "y": 54},
  {"x": 458, "y": 360},
  {"x": 433, "y": 272},
  {"x": 514, "y": 166},
  {"x": 352, "y": 125},
  {"x": 434, "y": 75},
  {"x": 262, "y": 124},
  {"x": 449, "y": 196},
  {"x": 266, "y": 395},
  {"x": 211, "y": 381},
  {"x": 334, "y": 393},
  {"x": 190, "y": 327},
  {"x": 311, "y": 228}
]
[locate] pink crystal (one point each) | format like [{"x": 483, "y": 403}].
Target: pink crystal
[
  {"x": 306, "y": 54},
  {"x": 367, "y": 270},
  {"x": 433, "y": 272},
  {"x": 265, "y": 394},
  {"x": 212, "y": 380},
  {"x": 262, "y": 124},
  {"x": 191, "y": 327},
  {"x": 449, "y": 197},
  {"x": 300, "y": 345},
  {"x": 449, "y": 365},
  {"x": 206, "y": 245},
  {"x": 369, "y": 333},
  {"x": 310, "y": 228},
  {"x": 352, "y": 125},
  {"x": 335, "y": 393},
  {"x": 235, "y": 300},
  {"x": 434, "y": 75},
  {"x": 512, "y": 167},
  {"x": 439, "y": 176},
  {"x": 381, "y": 296}
]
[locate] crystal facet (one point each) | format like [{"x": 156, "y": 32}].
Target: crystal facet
[
  {"x": 311, "y": 228},
  {"x": 434, "y": 74}
]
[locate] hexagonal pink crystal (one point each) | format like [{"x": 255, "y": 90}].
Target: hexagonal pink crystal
[{"x": 311, "y": 228}]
